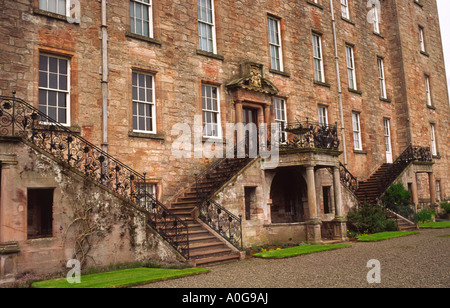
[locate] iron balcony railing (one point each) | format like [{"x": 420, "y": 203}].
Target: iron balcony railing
[
  {"x": 20, "y": 119},
  {"x": 307, "y": 134},
  {"x": 410, "y": 154}
]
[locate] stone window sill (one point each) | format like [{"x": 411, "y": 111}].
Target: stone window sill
[
  {"x": 315, "y": 4},
  {"x": 360, "y": 152},
  {"x": 321, "y": 83},
  {"x": 38, "y": 11},
  {"x": 210, "y": 54},
  {"x": 347, "y": 20},
  {"x": 280, "y": 73},
  {"x": 384, "y": 99},
  {"x": 431, "y": 107},
  {"x": 143, "y": 38},
  {"x": 146, "y": 135},
  {"x": 355, "y": 91}
]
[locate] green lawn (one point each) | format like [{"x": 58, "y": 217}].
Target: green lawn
[
  {"x": 122, "y": 278},
  {"x": 298, "y": 250},
  {"x": 436, "y": 225},
  {"x": 383, "y": 236}
]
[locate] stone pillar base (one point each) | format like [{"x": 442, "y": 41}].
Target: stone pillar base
[
  {"x": 8, "y": 261},
  {"x": 313, "y": 231},
  {"x": 340, "y": 229}
]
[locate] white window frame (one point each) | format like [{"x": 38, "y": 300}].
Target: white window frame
[
  {"x": 134, "y": 17},
  {"x": 275, "y": 46},
  {"x": 428, "y": 90},
  {"x": 381, "y": 77},
  {"x": 434, "y": 150},
  {"x": 148, "y": 187},
  {"x": 422, "y": 39},
  {"x": 145, "y": 101},
  {"x": 351, "y": 70},
  {"x": 323, "y": 115},
  {"x": 357, "y": 142},
  {"x": 345, "y": 12},
  {"x": 206, "y": 23},
  {"x": 319, "y": 74},
  {"x": 207, "y": 94},
  {"x": 48, "y": 89},
  {"x": 376, "y": 19},
  {"x": 281, "y": 117},
  {"x": 60, "y": 5}
]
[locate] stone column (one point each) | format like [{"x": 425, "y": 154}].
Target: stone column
[
  {"x": 432, "y": 184},
  {"x": 239, "y": 119},
  {"x": 313, "y": 223},
  {"x": 340, "y": 226},
  {"x": 415, "y": 192}
]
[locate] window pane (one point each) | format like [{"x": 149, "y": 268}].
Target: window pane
[
  {"x": 43, "y": 82},
  {"x": 51, "y": 98}
]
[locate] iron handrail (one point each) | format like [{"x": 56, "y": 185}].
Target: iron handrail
[{"x": 20, "y": 119}]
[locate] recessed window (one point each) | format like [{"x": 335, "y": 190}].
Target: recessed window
[
  {"x": 54, "y": 6},
  {"x": 326, "y": 193},
  {"x": 381, "y": 77},
  {"x": 276, "y": 59},
  {"x": 323, "y": 115},
  {"x": 40, "y": 213},
  {"x": 206, "y": 26},
  {"x": 422, "y": 39},
  {"x": 211, "y": 111},
  {"x": 318, "y": 58},
  {"x": 428, "y": 90},
  {"x": 280, "y": 118},
  {"x": 54, "y": 92},
  {"x": 345, "y": 12},
  {"x": 351, "y": 71},
  {"x": 141, "y": 17},
  {"x": 144, "y": 117},
  {"x": 356, "y": 131},
  {"x": 434, "y": 150}
]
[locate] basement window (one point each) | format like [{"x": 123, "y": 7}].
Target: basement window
[
  {"x": 250, "y": 202},
  {"x": 326, "y": 191},
  {"x": 40, "y": 213}
]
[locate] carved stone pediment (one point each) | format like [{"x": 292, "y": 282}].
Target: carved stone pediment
[{"x": 253, "y": 79}]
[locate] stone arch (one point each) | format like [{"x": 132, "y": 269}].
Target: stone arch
[{"x": 288, "y": 194}]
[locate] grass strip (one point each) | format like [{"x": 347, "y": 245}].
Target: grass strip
[
  {"x": 120, "y": 279},
  {"x": 436, "y": 225},
  {"x": 384, "y": 236},
  {"x": 298, "y": 250}
]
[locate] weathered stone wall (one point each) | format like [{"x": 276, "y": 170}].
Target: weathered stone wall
[
  {"x": 117, "y": 232},
  {"x": 241, "y": 35}
]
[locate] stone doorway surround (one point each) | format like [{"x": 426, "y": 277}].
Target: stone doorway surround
[{"x": 311, "y": 160}]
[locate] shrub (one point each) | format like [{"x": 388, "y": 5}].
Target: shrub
[
  {"x": 397, "y": 199},
  {"x": 446, "y": 206},
  {"x": 369, "y": 218},
  {"x": 425, "y": 215}
]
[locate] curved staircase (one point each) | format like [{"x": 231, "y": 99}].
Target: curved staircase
[{"x": 206, "y": 245}]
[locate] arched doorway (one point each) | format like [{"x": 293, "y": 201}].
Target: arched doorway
[{"x": 288, "y": 193}]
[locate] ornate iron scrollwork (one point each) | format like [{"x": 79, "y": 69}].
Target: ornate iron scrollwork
[{"x": 20, "y": 119}]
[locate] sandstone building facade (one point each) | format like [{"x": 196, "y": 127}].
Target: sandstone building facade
[{"x": 133, "y": 76}]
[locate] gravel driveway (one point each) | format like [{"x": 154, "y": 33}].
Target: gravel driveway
[{"x": 421, "y": 260}]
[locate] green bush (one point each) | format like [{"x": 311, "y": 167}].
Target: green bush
[
  {"x": 425, "y": 215},
  {"x": 369, "y": 218},
  {"x": 397, "y": 199},
  {"x": 446, "y": 207}
]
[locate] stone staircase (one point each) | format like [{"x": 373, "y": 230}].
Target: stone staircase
[
  {"x": 368, "y": 191},
  {"x": 206, "y": 246}
]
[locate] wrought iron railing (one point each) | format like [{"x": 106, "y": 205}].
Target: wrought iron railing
[
  {"x": 350, "y": 181},
  {"x": 228, "y": 225},
  {"x": 311, "y": 135},
  {"x": 20, "y": 119},
  {"x": 212, "y": 213},
  {"x": 410, "y": 154}
]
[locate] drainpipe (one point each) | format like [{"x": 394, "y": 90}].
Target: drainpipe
[
  {"x": 104, "y": 38},
  {"x": 336, "y": 60}
]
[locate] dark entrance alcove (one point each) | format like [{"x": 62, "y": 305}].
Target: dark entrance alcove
[{"x": 287, "y": 191}]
